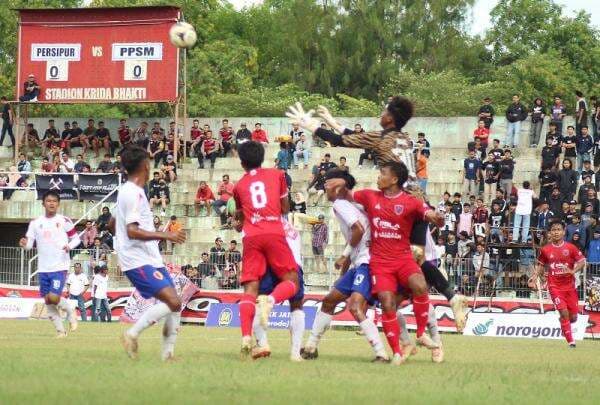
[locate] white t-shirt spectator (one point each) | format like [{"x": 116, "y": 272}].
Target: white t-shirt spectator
[
  {"x": 524, "y": 201},
  {"x": 449, "y": 221},
  {"x": 100, "y": 286},
  {"x": 77, "y": 283}
]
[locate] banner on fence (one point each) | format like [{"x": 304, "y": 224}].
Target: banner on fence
[
  {"x": 19, "y": 308},
  {"x": 228, "y": 316},
  {"x": 532, "y": 326},
  {"x": 94, "y": 187},
  {"x": 63, "y": 184},
  {"x": 197, "y": 307},
  {"x": 592, "y": 301}
]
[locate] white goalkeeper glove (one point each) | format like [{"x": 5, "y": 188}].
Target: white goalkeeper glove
[{"x": 296, "y": 114}]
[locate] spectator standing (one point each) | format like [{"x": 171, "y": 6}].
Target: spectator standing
[
  {"x": 217, "y": 255},
  {"x": 225, "y": 192},
  {"x": 425, "y": 145},
  {"x": 515, "y": 113},
  {"x": 343, "y": 166},
  {"x": 582, "y": 195},
  {"x": 449, "y": 220},
  {"x": 550, "y": 155},
  {"x": 8, "y": 119},
  {"x": 173, "y": 226},
  {"x": 507, "y": 168},
  {"x": 259, "y": 134},
  {"x": 100, "y": 295},
  {"x": 465, "y": 221},
  {"x": 558, "y": 112},
  {"x": 90, "y": 233},
  {"x": 594, "y": 116},
  {"x": 548, "y": 181},
  {"x": 204, "y": 198},
  {"x": 569, "y": 143},
  {"x": 556, "y": 201},
  {"x": 567, "y": 180},
  {"x": 523, "y": 211},
  {"x": 497, "y": 221},
  {"x": 320, "y": 238},
  {"x": 486, "y": 112},
  {"x": 421, "y": 167},
  {"x": 483, "y": 134},
  {"x": 472, "y": 172},
  {"x": 31, "y": 90},
  {"x": 77, "y": 285},
  {"x": 233, "y": 258},
  {"x": 282, "y": 160},
  {"x": 497, "y": 151},
  {"x": 585, "y": 147},
  {"x": 225, "y": 137},
  {"x": 593, "y": 255},
  {"x": 480, "y": 218},
  {"x": 538, "y": 112},
  {"x": 204, "y": 266},
  {"x": 157, "y": 129},
  {"x": 581, "y": 113},
  {"x": 326, "y": 164}
]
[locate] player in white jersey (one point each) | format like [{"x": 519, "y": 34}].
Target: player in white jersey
[
  {"x": 354, "y": 283},
  {"x": 408, "y": 347},
  {"x": 54, "y": 236},
  {"x": 139, "y": 257},
  {"x": 267, "y": 284}
]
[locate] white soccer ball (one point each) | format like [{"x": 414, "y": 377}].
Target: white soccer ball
[{"x": 182, "y": 35}]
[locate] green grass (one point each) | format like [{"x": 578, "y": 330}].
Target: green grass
[{"x": 90, "y": 367}]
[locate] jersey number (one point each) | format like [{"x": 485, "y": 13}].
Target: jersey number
[{"x": 258, "y": 194}]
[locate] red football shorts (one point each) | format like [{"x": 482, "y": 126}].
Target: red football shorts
[
  {"x": 261, "y": 251},
  {"x": 387, "y": 277},
  {"x": 565, "y": 299}
]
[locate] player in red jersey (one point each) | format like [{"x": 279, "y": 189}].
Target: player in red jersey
[
  {"x": 392, "y": 213},
  {"x": 261, "y": 198},
  {"x": 560, "y": 261}
]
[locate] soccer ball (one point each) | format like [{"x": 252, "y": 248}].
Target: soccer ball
[{"x": 182, "y": 35}]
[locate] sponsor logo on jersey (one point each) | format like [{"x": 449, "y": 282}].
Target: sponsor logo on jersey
[{"x": 398, "y": 209}]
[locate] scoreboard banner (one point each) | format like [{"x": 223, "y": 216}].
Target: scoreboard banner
[{"x": 108, "y": 55}]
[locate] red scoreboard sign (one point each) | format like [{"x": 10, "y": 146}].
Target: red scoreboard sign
[{"x": 110, "y": 55}]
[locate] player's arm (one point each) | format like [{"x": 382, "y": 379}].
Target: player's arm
[
  {"x": 238, "y": 216},
  {"x": 434, "y": 217},
  {"x": 578, "y": 266},
  {"x": 135, "y": 232},
  {"x": 27, "y": 241},
  {"x": 329, "y": 120},
  {"x": 283, "y": 196}
]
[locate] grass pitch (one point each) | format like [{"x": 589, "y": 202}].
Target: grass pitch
[{"x": 91, "y": 367}]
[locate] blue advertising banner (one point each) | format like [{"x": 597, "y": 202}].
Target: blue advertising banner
[{"x": 228, "y": 316}]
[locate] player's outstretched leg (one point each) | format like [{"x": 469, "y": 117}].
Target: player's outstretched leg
[
  {"x": 459, "y": 303},
  {"x": 357, "y": 306},
  {"x": 297, "y": 319},
  {"x": 321, "y": 323},
  {"x": 418, "y": 287}
]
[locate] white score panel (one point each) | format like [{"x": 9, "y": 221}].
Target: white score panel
[
  {"x": 135, "y": 69},
  {"x": 57, "y": 70}
]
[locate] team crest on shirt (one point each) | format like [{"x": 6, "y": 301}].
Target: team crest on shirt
[
  {"x": 565, "y": 252},
  {"x": 158, "y": 275},
  {"x": 398, "y": 209}
]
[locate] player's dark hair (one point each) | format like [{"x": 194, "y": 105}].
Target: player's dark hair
[
  {"x": 50, "y": 193},
  {"x": 341, "y": 174},
  {"x": 402, "y": 110},
  {"x": 399, "y": 170},
  {"x": 252, "y": 154},
  {"x": 132, "y": 157},
  {"x": 556, "y": 222}
]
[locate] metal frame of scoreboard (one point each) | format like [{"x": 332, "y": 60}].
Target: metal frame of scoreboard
[{"x": 101, "y": 55}]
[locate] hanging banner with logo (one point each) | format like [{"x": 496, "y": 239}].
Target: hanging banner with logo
[
  {"x": 228, "y": 316},
  {"x": 94, "y": 187},
  {"x": 592, "y": 294},
  {"x": 532, "y": 326},
  {"x": 63, "y": 184}
]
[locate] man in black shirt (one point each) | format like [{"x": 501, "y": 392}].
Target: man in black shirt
[
  {"x": 486, "y": 112},
  {"x": 154, "y": 184},
  {"x": 569, "y": 143},
  {"x": 31, "y": 90},
  {"x": 507, "y": 168},
  {"x": 102, "y": 139},
  {"x": 556, "y": 201},
  {"x": 515, "y": 113},
  {"x": 327, "y": 164},
  {"x": 581, "y": 113},
  {"x": 217, "y": 255},
  {"x": 496, "y": 150},
  {"x": 7, "y": 121},
  {"x": 497, "y": 220},
  {"x": 548, "y": 181},
  {"x": 550, "y": 155},
  {"x": 77, "y": 138}
]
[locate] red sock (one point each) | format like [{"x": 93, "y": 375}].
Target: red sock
[
  {"x": 284, "y": 290},
  {"x": 421, "y": 311},
  {"x": 392, "y": 331},
  {"x": 247, "y": 309},
  {"x": 565, "y": 325}
]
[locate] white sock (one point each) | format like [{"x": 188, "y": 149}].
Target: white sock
[
  {"x": 322, "y": 321},
  {"x": 433, "y": 326},
  {"x": 404, "y": 336},
  {"x": 372, "y": 335},
  {"x": 153, "y": 315},
  {"x": 55, "y": 318},
  {"x": 259, "y": 332},
  {"x": 296, "y": 331},
  {"x": 66, "y": 306},
  {"x": 170, "y": 331}
]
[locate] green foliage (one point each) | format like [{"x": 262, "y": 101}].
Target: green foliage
[{"x": 351, "y": 54}]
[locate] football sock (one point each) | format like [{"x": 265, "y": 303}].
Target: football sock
[
  {"x": 55, "y": 318},
  {"x": 283, "y": 291},
  {"x": 66, "y": 306},
  {"x": 432, "y": 325},
  {"x": 372, "y": 335},
  {"x": 435, "y": 278},
  {"x": 170, "y": 331},
  {"x": 320, "y": 325},
  {"x": 421, "y": 311},
  {"x": 152, "y": 315},
  {"x": 392, "y": 331},
  {"x": 404, "y": 336},
  {"x": 296, "y": 331},
  {"x": 565, "y": 325},
  {"x": 247, "y": 307},
  {"x": 259, "y": 332}
]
